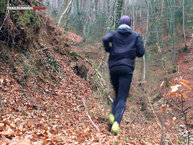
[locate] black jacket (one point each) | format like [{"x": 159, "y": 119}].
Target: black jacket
[{"x": 125, "y": 45}]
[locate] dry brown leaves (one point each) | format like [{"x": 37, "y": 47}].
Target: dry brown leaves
[{"x": 46, "y": 113}]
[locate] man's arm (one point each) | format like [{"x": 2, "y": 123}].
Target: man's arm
[
  {"x": 106, "y": 41},
  {"x": 140, "y": 47}
]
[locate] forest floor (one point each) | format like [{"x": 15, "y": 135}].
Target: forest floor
[
  {"x": 62, "y": 116},
  {"x": 64, "y": 109}
]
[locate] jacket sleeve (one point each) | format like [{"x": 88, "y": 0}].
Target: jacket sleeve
[
  {"x": 107, "y": 39},
  {"x": 140, "y": 47}
]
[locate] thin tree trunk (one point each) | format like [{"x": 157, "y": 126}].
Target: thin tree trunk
[
  {"x": 162, "y": 8},
  {"x": 171, "y": 12},
  {"x": 59, "y": 21},
  {"x": 173, "y": 37},
  {"x": 114, "y": 14},
  {"x": 77, "y": 7},
  {"x": 108, "y": 8},
  {"x": 144, "y": 103},
  {"x": 118, "y": 13},
  {"x": 141, "y": 19},
  {"x": 145, "y": 41},
  {"x": 184, "y": 31},
  {"x": 133, "y": 15},
  {"x": 96, "y": 7},
  {"x": 66, "y": 22}
]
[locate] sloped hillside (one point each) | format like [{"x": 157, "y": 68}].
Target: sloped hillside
[{"x": 41, "y": 96}]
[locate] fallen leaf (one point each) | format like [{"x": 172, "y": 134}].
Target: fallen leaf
[
  {"x": 186, "y": 86},
  {"x": 22, "y": 142},
  {"x": 184, "y": 96},
  {"x": 7, "y": 132}
]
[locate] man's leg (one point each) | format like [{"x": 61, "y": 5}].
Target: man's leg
[
  {"x": 123, "y": 91},
  {"x": 115, "y": 83}
]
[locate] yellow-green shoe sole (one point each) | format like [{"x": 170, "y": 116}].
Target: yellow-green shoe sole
[{"x": 115, "y": 127}]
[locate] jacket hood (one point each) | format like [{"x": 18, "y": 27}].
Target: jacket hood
[{"x": 124, "y": 29}]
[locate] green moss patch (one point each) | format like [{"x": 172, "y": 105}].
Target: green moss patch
[
  {"x": 28, "y": 19},
  {"x": 2, "y": 8}
]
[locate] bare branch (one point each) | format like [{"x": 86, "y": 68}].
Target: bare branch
[{"x": 86, "y": 110}]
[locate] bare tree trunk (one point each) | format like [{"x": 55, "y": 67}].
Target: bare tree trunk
[
  {"x": 162, "y": 8},
  {"x": 59, "y": 21},
  {"x": 184, "y": 31},
  {"x": 173, "y": 37},
  {"x": 133, "y": 14},
  {"x": 143, "y": 102},
  {"x": 108, "y": 7},
  {"x": 118, "y": 13},
  {"x": 96, "y": 7},
  {"x": 67, "y": 20},
  {"x": 77, "y": 7},
  {"x": 145, "y": 41},
  {"x": 141, "y": 19}
]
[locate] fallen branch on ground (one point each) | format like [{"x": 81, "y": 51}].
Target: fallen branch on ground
[{"x": 89, "y": 115}]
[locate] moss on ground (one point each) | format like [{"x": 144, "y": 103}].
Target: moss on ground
[{"x": 29, "y": 18}]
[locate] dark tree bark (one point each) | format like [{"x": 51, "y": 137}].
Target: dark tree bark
[
  {"x": 118, "y": 13},
  {"x": 77, "y": 7}
]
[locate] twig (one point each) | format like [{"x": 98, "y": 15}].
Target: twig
[
  {"x": 42, "y": 49},
  {"x": 109, "y": 97},
  {"x": 86, "y": 110},
  {"x": 134, "y": 118}
]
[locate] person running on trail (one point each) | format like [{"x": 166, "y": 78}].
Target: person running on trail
[{"x": 124, "y": 45}]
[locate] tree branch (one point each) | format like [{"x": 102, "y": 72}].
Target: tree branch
[{"x": 86, "y": 110}]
